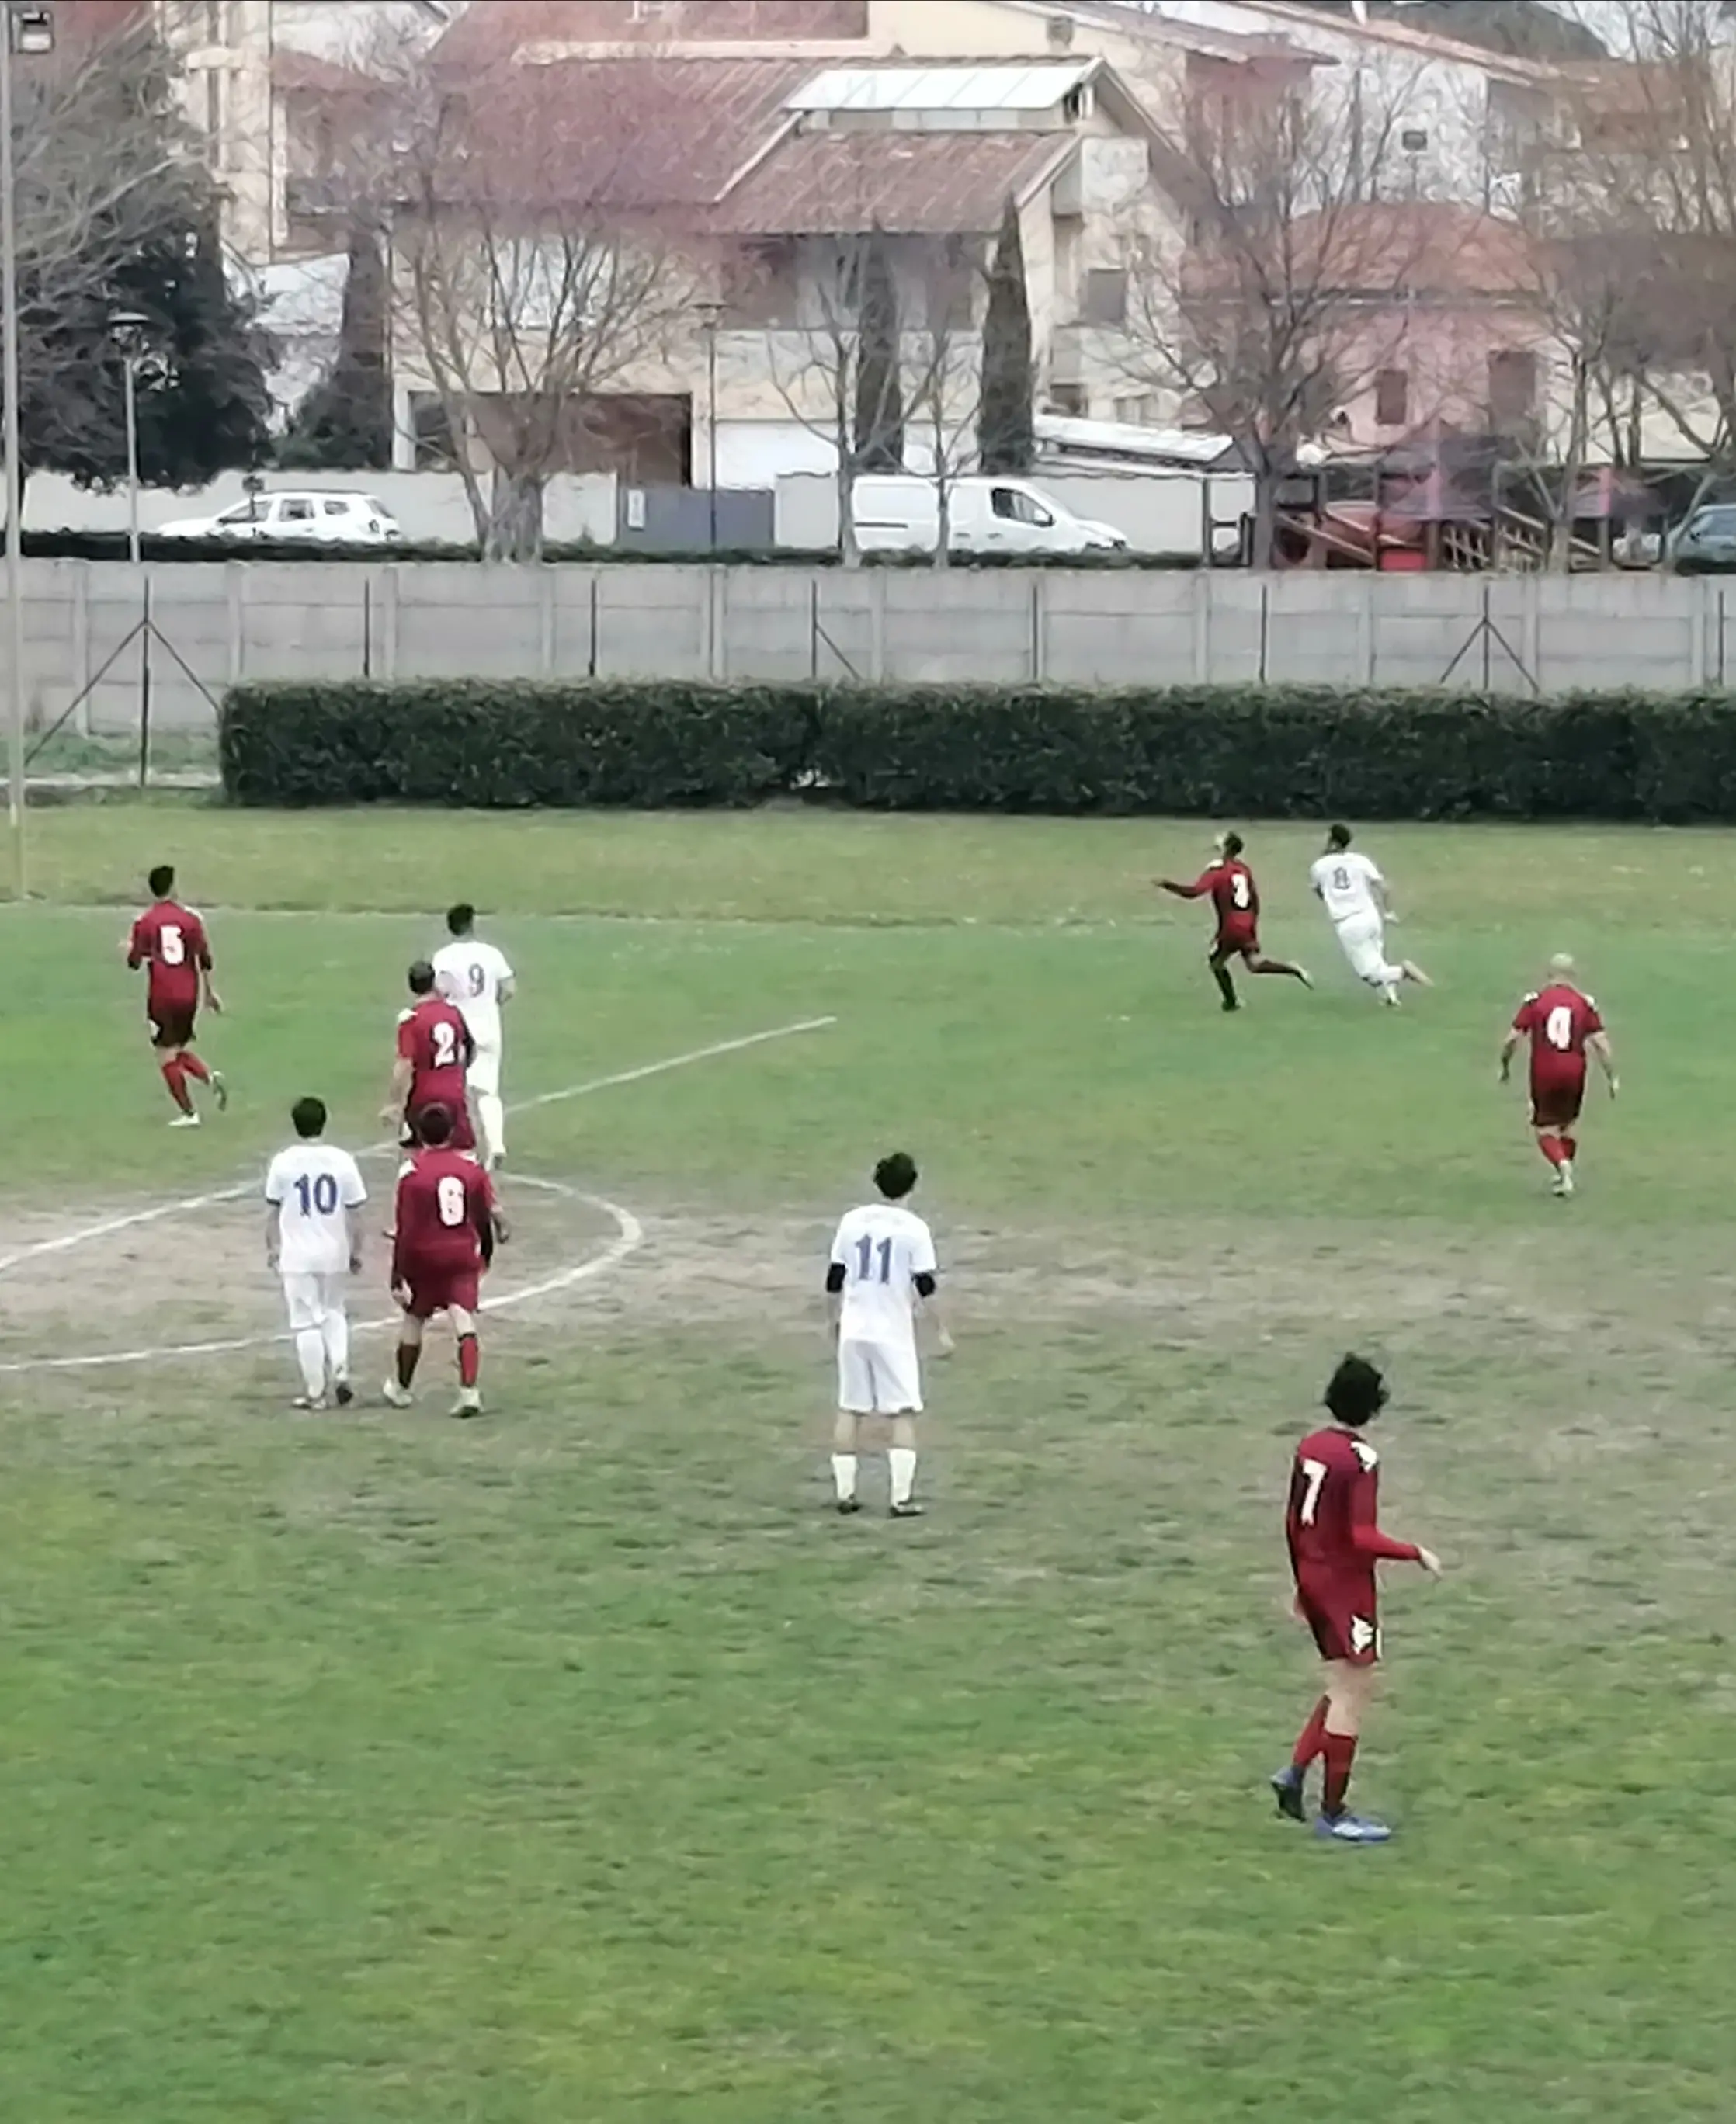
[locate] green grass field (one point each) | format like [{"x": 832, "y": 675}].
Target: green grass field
[{"x": 581, "y": 1764}]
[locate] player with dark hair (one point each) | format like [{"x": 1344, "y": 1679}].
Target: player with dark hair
[
  {"x": 1332, "y": 1528},
  {"x": 1229, "y": 883},
  {"x": 478, "y": 979},
  {"x": 170, "y": 939},
  {"x": 312, "y": 1189},
  {"x": 443, "y": 1240},
  {"x": 881, "y": 1266},
  {"x": 1350, "y": 885},
  {"x": 434, "y": 1051},
  {"x": 1564, "y": 1027}
]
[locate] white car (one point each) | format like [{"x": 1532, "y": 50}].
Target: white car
[{"x": 321, "y": 516}]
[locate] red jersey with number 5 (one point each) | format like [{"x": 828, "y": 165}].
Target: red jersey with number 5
[
  {"x": 433, "y": 1039},
  {"x": 1559, "y": 1020},
  {"x": 445, "y": 1212},
  {"x": 170, "y": 940},
  {"x": 1230, "y": 885},
  {"x": 1332, "y": 1522}
]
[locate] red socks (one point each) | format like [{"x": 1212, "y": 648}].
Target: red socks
[
  {"x": 1570, "y": 1145},
  {"x": 407, "y": 1354},
  {"x": 1312, "y": 1738},
  {"x": 175, "y": 1076},
  {"x": 1553, "y": 1149},
  {"x": 193, "y": 1067},
  {"x": 1340, "y": 1751},
  {"x": 469, "y": 1360}
]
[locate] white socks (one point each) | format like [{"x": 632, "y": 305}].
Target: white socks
[
  {"x": 310, "y": 1354},
  {"x": 900, "y": 1462},
  {"x": 491, "y": 1110},
  {"x": 843, "y": 1476},
  {"x": 334, "y": 1329}
]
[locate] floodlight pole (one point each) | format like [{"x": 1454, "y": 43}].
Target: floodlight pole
[{"x": 14, "y": 479}]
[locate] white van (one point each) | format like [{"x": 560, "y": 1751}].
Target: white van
[{"x": 900, "y": 513}]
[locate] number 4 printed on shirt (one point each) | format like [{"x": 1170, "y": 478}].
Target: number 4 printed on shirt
[{"x": 1558, "y": 1027}]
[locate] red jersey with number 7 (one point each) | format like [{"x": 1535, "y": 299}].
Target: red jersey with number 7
[
  {"x": 434, "y": 1041},
  {"x": 1558, "y": 1020},
  {"x": 1332, "y": 1522},
  {"x": 170, "y": 940},
  {"x": 445, "y": 1213}
]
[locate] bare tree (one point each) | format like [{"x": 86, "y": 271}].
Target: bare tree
[
  {"x": 943, "y": 362},
  {"x": 547, "y": 256},
  {"x": 1279, "y": 294}
]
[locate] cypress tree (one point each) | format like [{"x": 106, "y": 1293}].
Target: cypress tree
[
  {"x": 879, "y": 431},
  {"x": 1005, "y": 439}
]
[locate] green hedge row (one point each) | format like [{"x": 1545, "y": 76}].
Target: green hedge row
[{"x": 1219, "y": 751}]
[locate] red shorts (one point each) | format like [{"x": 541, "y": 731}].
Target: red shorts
[
  {"x": 1233, "y": 936},
  {"x": 435, "y": 1288},
  {"x": 1343, "y": 1614},
  {"x": 1555, "y": 1101},
  {"x": 170, "y": 1023},
  {"x": 463, "y": 1136}
]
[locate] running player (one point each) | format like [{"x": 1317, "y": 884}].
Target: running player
[
  {"x": 170, "y": 940},
  {"x": 1230, "y": 885},
  {"x": 1564, "y": 1026}
]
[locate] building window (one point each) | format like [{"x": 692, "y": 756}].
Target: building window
[
  {"x": 1513, "y": 387},
  {"x": 1392, "y": 398},
  {"x": 1146, "y": 411},
  {"x": 1068, "y": 399},
  {"x": 1104, "y": 299}
]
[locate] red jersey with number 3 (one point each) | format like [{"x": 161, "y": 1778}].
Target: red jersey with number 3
[
  {"x": 1558, "y": 1020},
  {"x": 445, "y": 1206},
  {"x": 1230, "y": 885},
  {"x": 170, "y": 940},
  {"x": 434, "y": 1040}
]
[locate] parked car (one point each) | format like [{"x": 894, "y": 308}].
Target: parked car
[
  {"x": 1705, "y": 542},
  {"x": 321, "y": 516},
  {"x": 900, "y": 513}
]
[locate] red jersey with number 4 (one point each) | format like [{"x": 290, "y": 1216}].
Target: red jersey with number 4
[
  {"x": 1559, "y": 1020},
  {"x": 1332, "y": 1522},
  {"x": 444, "y": 1209},
  {"x": 170, "y": 940},
  {"x": 434, "y": 1040},
  {"x": 1230, "y": 888}
]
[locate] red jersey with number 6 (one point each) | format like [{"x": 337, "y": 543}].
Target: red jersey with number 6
[
  {"x": 170, "y": 941},
  {"x": 444, "y": 1209},
  {"x": 1558, "y": 1020},
  {"x": 1229, "y": 883},
  {"x": 434, "y": 1041}
]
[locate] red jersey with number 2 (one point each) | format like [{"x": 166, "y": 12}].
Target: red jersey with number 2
[
  {"x": 1230, "y": 885},
  {"x": 436, "y": 1042},
  {"x": 1558, "y": 1020},
  {"x": 170, "y": 940},
  {"x": 444, "y": 1204}
]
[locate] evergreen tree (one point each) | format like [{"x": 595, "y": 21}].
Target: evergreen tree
[
  {"x": 879, "y": 426},
  {"x": 344, "y": 422},
  {"x": 1005, "y": 439}
]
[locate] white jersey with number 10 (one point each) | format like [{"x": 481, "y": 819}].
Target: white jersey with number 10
[{"x": 469, "y": 974}]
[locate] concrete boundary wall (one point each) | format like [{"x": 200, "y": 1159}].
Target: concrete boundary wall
[{"x": 218, "y": 624}]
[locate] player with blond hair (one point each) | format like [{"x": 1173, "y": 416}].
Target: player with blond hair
[{"x": 1564, "y": 1026}]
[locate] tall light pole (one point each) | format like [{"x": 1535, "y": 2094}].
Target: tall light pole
[
  {"x": 711, "y": 315},
  {"x": 25, "y": 29},
  {"x": 128, "y": 328}
]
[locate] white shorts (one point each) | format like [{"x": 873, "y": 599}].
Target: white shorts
[
  {"x": 1363, "y": 940},
  {"x": 483, "y": 1075},
  {"x": 310, "y": 1298},
  {"x": 879, "y": 1379}
]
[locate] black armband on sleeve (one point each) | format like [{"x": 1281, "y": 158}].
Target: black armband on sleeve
[
  {"x": 924, "y": 1284},
  {"x": 834, "y": 1277}
]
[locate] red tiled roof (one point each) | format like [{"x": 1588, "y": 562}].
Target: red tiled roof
[{"x": 846, "y": 183}]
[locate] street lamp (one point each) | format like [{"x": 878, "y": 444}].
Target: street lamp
[
  {"x": 711, "y": 315},
  {"x": 29, "y": 31},
  {"x": 129, "y": 328}
]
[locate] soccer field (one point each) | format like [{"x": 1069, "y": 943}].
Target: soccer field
[{"x": 581, "y": 1765}]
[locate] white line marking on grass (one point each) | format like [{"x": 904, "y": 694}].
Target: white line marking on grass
[
  {"x": 629, "y": 1238},
  {"x": 106, "y": 1227}
]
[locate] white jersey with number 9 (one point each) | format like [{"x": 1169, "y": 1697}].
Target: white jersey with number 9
[{"x": 470, "y": 974}]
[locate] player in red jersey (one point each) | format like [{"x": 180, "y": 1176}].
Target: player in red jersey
[
  {"x": 1230, "y": 884},
  {"x": 434, "y": 1053},
  {"x": 1332, "y": 1525},
  {"x": 442, "y": 1241},
  {"x": 1563, "y": 1027},
  {"x": 170, "y": 940}
]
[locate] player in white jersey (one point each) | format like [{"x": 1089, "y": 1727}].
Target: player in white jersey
[
  {"x": 476, "y": 976},
  {"x": 1350, "y": 886},
  {"x": 311, "y": 1241},
  {"x": 883, "y": 1263}
]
